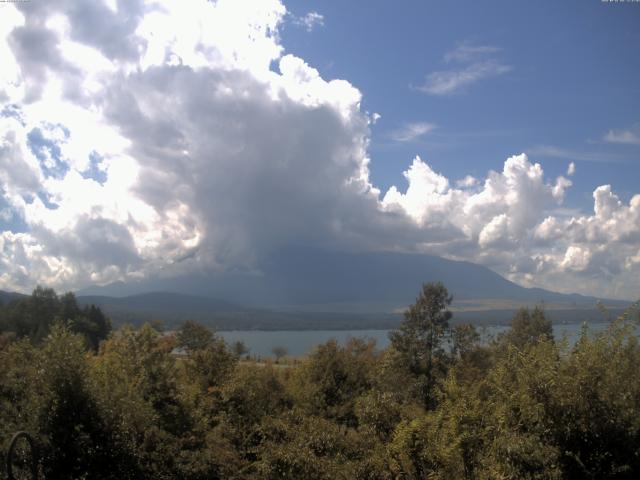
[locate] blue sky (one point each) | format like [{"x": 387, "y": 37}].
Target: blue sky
[
  {"x": 149, "y": 138},
  {"x": 575, "y": 75}
]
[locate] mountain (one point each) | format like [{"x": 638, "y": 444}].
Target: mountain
[
  {"x": 6, "y": 297},
  {"x": 168, "y": 302},
  {"x": 174, "y": 308},
  {"x": 307, "y": 289},
  {"x": 300, "y": 279}
]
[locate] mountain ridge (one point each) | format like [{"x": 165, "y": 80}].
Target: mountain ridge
[
  {"x": 315, "y": 279},
  {"x": 307, "y": 288}
]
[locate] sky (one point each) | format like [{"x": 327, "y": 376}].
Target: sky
[{"x": 144, "y": 138}]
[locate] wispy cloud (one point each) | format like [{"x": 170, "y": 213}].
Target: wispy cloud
[
  {"x": 476, "y": 62},
  {"x": 630, "y": 136},
  {"x": 450, "y": 81},
  {"x": 469, "y": 53},
  {"x": 559, "y": 152},
  {"x": 309, "y": 21},
  {"x": 412, "y": 131}
]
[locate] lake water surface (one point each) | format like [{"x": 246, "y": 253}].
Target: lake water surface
[{"x": 299, "y": 343}]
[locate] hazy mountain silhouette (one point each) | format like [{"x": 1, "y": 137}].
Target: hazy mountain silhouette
[
  {"x": 310, "y": 279},
  {"x": 308, "y": 288},
  {"x": 6, "y": 297}
]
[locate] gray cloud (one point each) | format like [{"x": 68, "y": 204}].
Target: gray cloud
[
  {"x": 36, "y": 49},
  {"x": 15, "y": 173},
  {"x": 256, "y": 173},
  {"x": 92, "y": 23},
  {"x": 94, "y": 244},
  {"x": 36, "y": 46}
]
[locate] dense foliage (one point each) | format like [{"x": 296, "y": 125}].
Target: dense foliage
[
  {"x": 34, "y": 316},
  {"x": 148, "y": 404}
]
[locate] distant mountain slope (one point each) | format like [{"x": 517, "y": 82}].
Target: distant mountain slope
[
  {"x": 163, "y": 301},
  {"x": 308, "y": 275},
  {"x": 307, "y": 279},
  {"x": 173, "y": 309},
  {"x": 307, "y": 288},
  {"x": 6, "y": 297}
]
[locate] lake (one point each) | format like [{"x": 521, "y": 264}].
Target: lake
[{"x": 302, "y": 342}]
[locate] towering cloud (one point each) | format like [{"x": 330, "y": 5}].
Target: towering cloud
[{"x": 147, "y": 138}]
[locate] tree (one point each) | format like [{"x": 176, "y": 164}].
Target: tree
[
  {"x": 528, "y": 328},
  {"x": 239, "y": 348},
  {"x": 68, "y": 307},
  {"x": 298, "y": 446},
  {"x": 378, "y": 412},
  {"x": 419, "y": 337},
  {"x": 90, "y": 322},
  {"x": 472, "y": 359},
  {"x": 333, "y": 377},
  {"x": 279, "y": 352},
  {"x": 99, "y": 326},
  {"x": 55, "y": 402},
  {"x": 209, "y": 359},
  {"x": 194, "y": 336},
  {"x": 34, "y": 317},
  {"x": 464, "y": 338}
]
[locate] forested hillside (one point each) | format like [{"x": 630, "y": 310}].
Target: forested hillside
[
  {"x": 149, "y": 405},
  {"x": 34, "y": 316}
]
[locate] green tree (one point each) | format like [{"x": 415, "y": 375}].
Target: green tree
[
  {"x": 464, "y": 338},
  {"x": 333, "y": 377},
  {"x": 91, "y": 323},
  {"x": 419, "y": 337},
  {"x": 527, "y": 328},
  {"x": 77, "y": 443},
  {"x": 239, "y": 348},
  {"x": 34, "y": 316},
  {"x": 378, "y": 412},
  {"x": 46, "y": 390},
  {"x": 299, "y": 446},
  {"x": 594, "y": 409},
  {"x": 212, "y": 365},
  {"x": 145, "y": 400},
  {"x": 279, "y": 352},
  {"x": 194, "y": 336}
]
